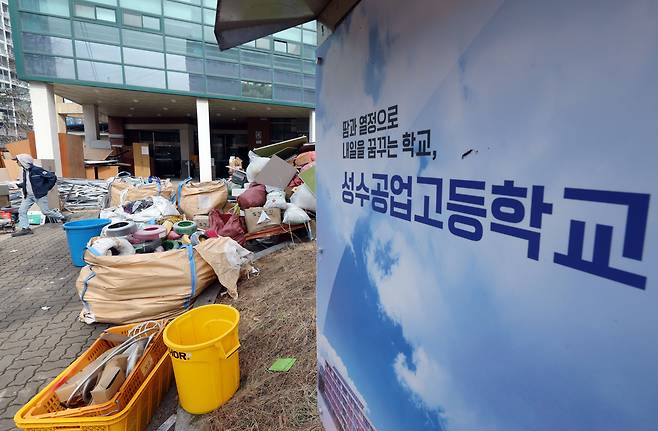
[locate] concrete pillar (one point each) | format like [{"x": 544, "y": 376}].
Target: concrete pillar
[
  {"x": 311, "y": 126},
  {"x": 203, "y": 131},
  {"x": 90, "y": 121},
  {"x": 44, "y": 118},
  {"x": 61, "y": 118}
]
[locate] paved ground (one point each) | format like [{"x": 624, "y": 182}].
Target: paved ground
[{"x": 35, "y": 343}]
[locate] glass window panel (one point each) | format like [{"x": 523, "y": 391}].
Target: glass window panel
[
  {"x": 140, "y": 39},
  {"x": 309, "y": 96},
  {"x": 183, "y": 29},
  {"x": 224, "y": 68},
  {"x": 96, "y": 32},
  {"x": 294, "y": 48},
  {"x": 255, "y": 57},
  {"x": 47, "y": 44},
  {"x": 256, "y": 89},
  {"x": 250, "y": 44},
  {"x": 209, "y": 16},
  {"x": 308, "y": 51},
  {"x": 263, "y": 43},
  {"x": 97, "y": 51},
  {"x": 256, "y": 73},
  {"x": 209, "y": 34},
  {"x": 310, "y": 37},
  {"x": 143, "y": 77},
  {"x": 292, "y": 33},
  {"x": 309, "y": 81},
  {"x": 149, "y": 6},
  {"x": 182, "y": 11},
  {"x": 280, "y": 46},
  {"x": 141, "y": 57},
  {"x": 104, "y": 14},
  {"x": 51, "y": 7},
  {"x": 311, "y": 25},
  {"x": 186, "y": 64},
  {"x": 151, "y": 22},
  {"x": 184, "y": 46},
  {"x": 85, "y": 11},
  {"x": 45, "y": 24},
  {"x": 286, "y": 77},
  {"x": 186, "y": 82},
  {"x": 105, "y": 2},
  {"x": 99, "y": 72},
  {"x": 281, "y": 62},
  {"x": 231, "y": 87},
  {"x": 309, "y": 67},
  {"x": 210, "y": 3},
  {"x": 212, "y": 51},
  {"x": 132, "y": 19},
  {"x": 55, "y": 67},
  {"x": 290, "y": 94}
]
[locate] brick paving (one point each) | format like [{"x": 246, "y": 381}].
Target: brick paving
[{"x": 36, "y": 344}]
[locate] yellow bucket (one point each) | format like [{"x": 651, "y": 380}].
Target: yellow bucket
[{"x": 203, "y": 345}]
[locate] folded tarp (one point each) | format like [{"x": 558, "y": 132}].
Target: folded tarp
[{"x": 127, "y": 289}]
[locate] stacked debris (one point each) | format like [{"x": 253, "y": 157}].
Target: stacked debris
[
  {"x": 82, "y": 195},
  {"x": 276, "y": 192}
]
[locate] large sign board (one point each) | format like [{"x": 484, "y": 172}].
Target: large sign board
[{"x": 488, "y": 238}]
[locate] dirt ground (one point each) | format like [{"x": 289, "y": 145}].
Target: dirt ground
[{"x": 277, "y": 319}]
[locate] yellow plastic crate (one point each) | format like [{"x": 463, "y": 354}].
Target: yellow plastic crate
[
  {"x": 135, "y": 416},
  {"x": 47, "y": 405}
]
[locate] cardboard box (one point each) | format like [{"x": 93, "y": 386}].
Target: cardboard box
[
  {"x": 276, "y": 173},
  {"x": 64, "y": 391},
  {"x": 259, "y": 218},
  {"x": 113, "y": 376},
  {"x": 202, "y": 222}
]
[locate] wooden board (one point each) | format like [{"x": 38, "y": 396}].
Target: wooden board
[
  {"x": 12, "y": 169},
  {"x": 276, "y": 230},
  {"x": 105, "y": 172},
  {"x": 272, "y": 149},
  {"x": 71, "y": 148},
  {"x": 90, "y": 173},
  {"x": 142, "y": 159},
  {"x": 21, "y": 147}
]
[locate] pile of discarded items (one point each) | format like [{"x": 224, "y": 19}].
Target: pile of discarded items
[{"x": 166, "y": 243}]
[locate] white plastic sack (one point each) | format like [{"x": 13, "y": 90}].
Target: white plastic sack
[
  {"x": 256, "y": 164},
  {"x": 304, "y": 198},
  {"x": 161, "y": 207},
  {"x": 276, "y": 199},
  {"x": 295, "y": 215}
]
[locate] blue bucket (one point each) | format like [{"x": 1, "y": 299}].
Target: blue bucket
[{"x": 78, "y": 234}]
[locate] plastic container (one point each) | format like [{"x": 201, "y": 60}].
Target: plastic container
[
  {"x": 78, "y": 234},
  {"x": 46, "y": 404},
  {"x": 203, "y": 345},
  {"x": 135, "y": 416}
]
